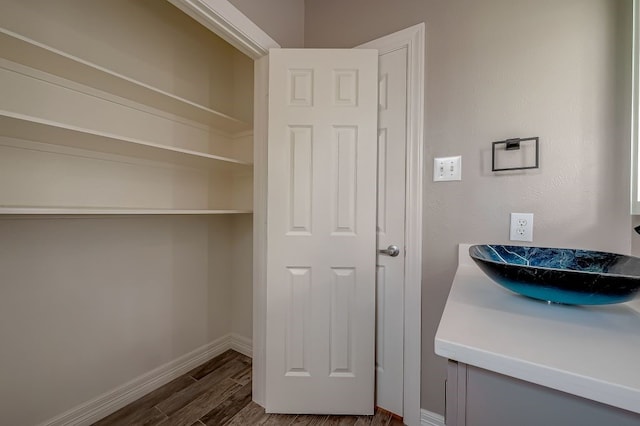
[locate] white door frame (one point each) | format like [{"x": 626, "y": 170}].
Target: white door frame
[
  {"x": 413, "y": 39},
  {"x": 228, "y": 22}
]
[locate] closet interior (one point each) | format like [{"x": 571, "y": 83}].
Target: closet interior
[{"x": 126, "y": 186}]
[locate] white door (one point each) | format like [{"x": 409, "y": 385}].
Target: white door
[
  {"x": 321, "y": 231},
  {"x": 392, "y": 137}
]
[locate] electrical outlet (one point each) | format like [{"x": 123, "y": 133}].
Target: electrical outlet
[
  {"x": 447, "y": 168},
  {"x": 521, "y": 227}
]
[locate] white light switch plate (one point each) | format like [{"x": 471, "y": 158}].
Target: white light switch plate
[{"x": 447, "y": 168}]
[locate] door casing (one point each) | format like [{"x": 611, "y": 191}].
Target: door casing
[{"x": 413, "y": 39}]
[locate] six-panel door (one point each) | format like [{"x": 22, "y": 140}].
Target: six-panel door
[{"x": 321, "y": 231}]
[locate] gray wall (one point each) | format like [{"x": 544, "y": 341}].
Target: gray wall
[
  {"x": 497, "y": 69},
  {"x": 283, "y": 20}
]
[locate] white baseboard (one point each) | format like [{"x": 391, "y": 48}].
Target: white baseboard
[
  {"x": 100, "y": 407},
  {"x": 242, "y": 344},
  {"x": 107, "y": 403},
  {"x": 427, "y": 418}
]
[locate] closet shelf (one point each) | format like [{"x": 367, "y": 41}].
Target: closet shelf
[
  {"x": 22, "y": 126},
  {"x": 23, "y": 50},
  {"x": 112, "y": 211}
]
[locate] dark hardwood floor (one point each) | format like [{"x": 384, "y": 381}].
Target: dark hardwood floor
[{"x": 219, "y": 393}]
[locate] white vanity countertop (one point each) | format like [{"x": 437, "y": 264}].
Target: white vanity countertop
[{"x": 592, "y": 352}]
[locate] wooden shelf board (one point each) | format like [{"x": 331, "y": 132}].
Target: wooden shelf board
[
  {"x": 112, "y": 211},
  {"x": 18, "y": 48},
  {"x": 21, "y": 126}
]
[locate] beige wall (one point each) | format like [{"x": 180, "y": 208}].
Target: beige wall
[
  {"x": 497, "y": 69},
  {"x": 87, "y": 305},
  {"x": 283, "y": 20},
  {"x": 241, "y": 253}
]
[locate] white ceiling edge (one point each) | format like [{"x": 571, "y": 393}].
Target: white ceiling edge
[{"x": 225, "y": 20}]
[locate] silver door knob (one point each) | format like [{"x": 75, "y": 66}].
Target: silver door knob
[{"x": 392, "y": 251}]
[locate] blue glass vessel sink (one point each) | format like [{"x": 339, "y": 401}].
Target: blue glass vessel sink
[{"x": 573, "y": 277}]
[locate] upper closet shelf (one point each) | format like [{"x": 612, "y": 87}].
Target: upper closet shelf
[
  {"x": 20, "y": 49},
  {"x": 113, "y": 211},
  {"x": 21, "y": 126}
]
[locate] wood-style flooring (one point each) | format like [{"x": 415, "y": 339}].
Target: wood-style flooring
[{"x": 219, "y": 393}]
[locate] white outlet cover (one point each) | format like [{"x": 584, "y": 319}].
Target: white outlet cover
[
  {"x": 447, "y": 168},
  {"x": 521, "y": 228}
]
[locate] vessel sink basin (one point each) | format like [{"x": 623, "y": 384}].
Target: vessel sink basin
[{"x": 568, "y": 276}]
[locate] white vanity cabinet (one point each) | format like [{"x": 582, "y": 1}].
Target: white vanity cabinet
[
  {"x": 96, "y": 123},
  {"x": 478, "y": 397},
  {"x": 518, "y": 361}
]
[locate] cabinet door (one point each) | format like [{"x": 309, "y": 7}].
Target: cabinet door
[
  {"x": 321, "y": 241},
  {"x": 455, "y": 394},
  {"x": 477, "y": 397}
]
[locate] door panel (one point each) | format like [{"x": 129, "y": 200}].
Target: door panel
[
  {"x": 392, "y": 140},
  {"x": 321, "y": 231}
]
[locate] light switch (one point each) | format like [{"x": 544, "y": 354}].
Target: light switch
[{"x": 447, "y": 168}]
